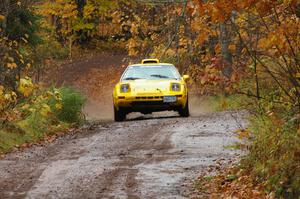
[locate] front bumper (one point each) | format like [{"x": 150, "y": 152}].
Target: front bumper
[{"x": 149, "y": 103}]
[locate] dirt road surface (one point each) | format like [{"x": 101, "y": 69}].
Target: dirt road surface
[
  {"x": 149, "y": 158},
  {"x": 153, "y": 156}
]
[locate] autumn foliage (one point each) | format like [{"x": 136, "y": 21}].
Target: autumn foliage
[
  {"x": 256, "y": 54},
  {"x": 245, "y": 48}
]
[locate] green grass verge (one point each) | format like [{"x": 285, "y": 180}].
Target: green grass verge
[{"x": 24, "y": 132}]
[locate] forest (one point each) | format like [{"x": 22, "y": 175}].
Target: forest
[{"x": 241, "y": 54}]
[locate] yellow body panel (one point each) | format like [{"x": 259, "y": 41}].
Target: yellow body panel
[{"x": 147, "y": 96}]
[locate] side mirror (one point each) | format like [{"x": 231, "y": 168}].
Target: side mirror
[{"x": 185, "y": 77}]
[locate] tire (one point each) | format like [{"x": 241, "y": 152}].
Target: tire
[
  {"x": 119, "y": 115},
  {"x": 185, "y": 112}
]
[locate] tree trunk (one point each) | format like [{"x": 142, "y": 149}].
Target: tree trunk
[
  {"x": 80, "y": 7},
  {"x": 226, "y": 54}
]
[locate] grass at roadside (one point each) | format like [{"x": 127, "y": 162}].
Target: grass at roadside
[
  {"x": 27, "y": 134},
  {"x": 230, "y": 102},
  {"x": 41, "y": 116}
]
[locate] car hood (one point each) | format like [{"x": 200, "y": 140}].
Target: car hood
[{"x": 151, "y": 86}]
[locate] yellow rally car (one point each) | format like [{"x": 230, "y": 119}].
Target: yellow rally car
[{"x": 150, "y": 87}]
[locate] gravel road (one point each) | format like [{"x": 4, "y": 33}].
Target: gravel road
[{"x": 151, "y": 157}]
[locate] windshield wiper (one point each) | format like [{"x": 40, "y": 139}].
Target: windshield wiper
[
  {"x": 160, "y": 76},
  {"x": 131, "y": 78}
]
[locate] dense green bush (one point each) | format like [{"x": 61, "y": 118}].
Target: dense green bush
[{"x": 72, "y": 105}]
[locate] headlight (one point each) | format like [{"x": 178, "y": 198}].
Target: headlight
[
  {"x": 125, "y": 88},
  {"x": 175, "y": 87}
]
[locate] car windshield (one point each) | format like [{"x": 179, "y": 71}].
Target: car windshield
[{"x": 151, "y": 72}]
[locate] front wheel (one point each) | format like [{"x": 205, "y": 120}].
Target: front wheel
[
  {"x": 119, "y": 115},
  {"x": 184, "y": 112}
]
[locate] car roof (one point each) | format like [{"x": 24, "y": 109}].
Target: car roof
[
  {"x": 149, "y": 61},
  {"x": 152, "y": 64}
]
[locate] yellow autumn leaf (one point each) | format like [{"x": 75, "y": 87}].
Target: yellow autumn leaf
[
  {"x": 2, "y": 17},
  {"x": 14, "y": 96},
  {"x": 11, "y": 65},
  {"x": 45, "y": 110},
  {"x": 25, "y": 107},
  {"x": 218, "y": 48},
  {"x": 10, "y": 97},
  {"x": 1, "y": 90},
  {"x": 48, "y": 94},
  {"x": 58, "y": 106},
  {"x": 232, "y": 48},
  {"x": 25, "y": 87}
]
